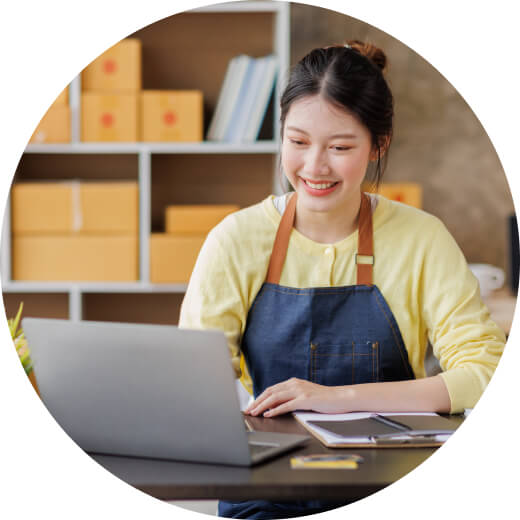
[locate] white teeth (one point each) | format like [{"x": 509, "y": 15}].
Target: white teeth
[{"x": 319, "y": 186}]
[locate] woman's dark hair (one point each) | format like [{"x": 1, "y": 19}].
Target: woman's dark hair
[{"x": 350, "y": 76}]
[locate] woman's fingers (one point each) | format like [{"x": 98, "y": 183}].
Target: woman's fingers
[
  {"x": 298, "y": 394},
  {"x": 288, "y": 406},
  {"x": 267, "y": 394},
  {"x": 275, "y": 399}
]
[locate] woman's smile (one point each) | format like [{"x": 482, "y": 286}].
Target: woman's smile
[{"x": 319, "y": 188}]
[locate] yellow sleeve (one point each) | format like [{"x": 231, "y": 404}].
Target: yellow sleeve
[
  {"x": 214, "y": 298},
  {"x": 467, "y": 343}
]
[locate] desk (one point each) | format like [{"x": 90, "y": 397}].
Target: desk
[{"x": 272, "y": 480}]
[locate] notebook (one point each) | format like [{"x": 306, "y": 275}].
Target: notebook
[
  {"x": 377, "y": 429},
  {"x": 146, "y": 391}
]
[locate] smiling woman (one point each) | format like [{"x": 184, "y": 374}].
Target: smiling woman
[
  {"x": 325, "y": 167},
  {"x": 329, "y": 296}
]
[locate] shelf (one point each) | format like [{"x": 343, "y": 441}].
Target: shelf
[
  {"x": 196, "y": 46},
  {"x": 241, "y": 7},
  {"x": 91, "y": 287},
  {"x": 259, "y": 147}
]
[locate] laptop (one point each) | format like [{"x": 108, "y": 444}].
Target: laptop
[{"x": 146, "y": 391}]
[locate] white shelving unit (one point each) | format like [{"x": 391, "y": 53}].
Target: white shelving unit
[{"x": 144, "y": 153}]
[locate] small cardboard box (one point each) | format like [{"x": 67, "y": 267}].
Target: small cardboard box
[
  {"x": 173, "y": 257},
  {"x": 74, "y": 207},
  {"x": 406, "y": 192},
  {"x": 75, "y": 258},
  {"x": 171, "y": 115},
  {"x": 196, "y": 219},
  {"x": 54, "y": 126},
  {"x": 117, "y": 69},
  {"x": 109, "y": 117}
]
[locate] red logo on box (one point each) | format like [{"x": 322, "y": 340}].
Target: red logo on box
[
  {"x": 107, "y": 120},
  {"x": 169, "y": 118},
  {"x": 109, "y": 66}
]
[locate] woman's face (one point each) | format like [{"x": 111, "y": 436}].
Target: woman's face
[{"x": 325, "y": 154}]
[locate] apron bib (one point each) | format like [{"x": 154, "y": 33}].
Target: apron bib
[{"x": 331, "y": 336}]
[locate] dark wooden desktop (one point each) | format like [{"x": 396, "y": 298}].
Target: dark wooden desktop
[{"x": 271, "y": 480}]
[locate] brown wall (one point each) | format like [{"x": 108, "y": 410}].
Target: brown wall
[{"x": 438, "y": 140}]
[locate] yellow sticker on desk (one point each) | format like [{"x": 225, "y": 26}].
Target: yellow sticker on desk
[{"x": 324, "y": 461}]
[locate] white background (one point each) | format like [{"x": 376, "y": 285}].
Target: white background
[{"x": 45, "y": 44}]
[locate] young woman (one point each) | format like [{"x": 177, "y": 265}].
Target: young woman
[{"x": 328, "y": 295}]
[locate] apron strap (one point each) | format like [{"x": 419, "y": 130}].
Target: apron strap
[
  {"x": 364, "y": 257},
  {"x": 281, "y": 242}
]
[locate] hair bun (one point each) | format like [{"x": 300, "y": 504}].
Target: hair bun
[{"x": 370, "y": 51}]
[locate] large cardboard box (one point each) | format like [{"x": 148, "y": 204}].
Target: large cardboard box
[
  {"x": 117, "y": 69},
  {"x": 172, "y": 257},
  {"x": 75, "y": 258},
  {"x": 171, "y": 115},
  {"x": 109, "y": 117},
  {"x": 110, "y": 207},
  {"x": 196, "y": 218},
  {"x": 54, "y": 126},
  {"x": 75, "y": 207}
]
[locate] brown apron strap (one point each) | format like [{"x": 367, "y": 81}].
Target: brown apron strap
[
  {"x": 364, "y": 257},
  {"x": 281, "y": 242}
]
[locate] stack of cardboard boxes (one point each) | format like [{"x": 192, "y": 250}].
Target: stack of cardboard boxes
[
  {"x": 55, "y": 124},
  {"x": 114, "y": 108},
  {"x": 110, "y": 94},
  {"x": 72, "y": 231},
  {"x": 173, "y": 254}
]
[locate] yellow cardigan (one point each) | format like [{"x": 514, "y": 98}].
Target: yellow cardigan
[{"x": 418, "y": 268}]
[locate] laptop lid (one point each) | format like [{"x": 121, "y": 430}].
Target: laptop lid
[{"x": 140, "y": 390}]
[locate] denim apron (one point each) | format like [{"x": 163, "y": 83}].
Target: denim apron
[{"x": 328, "y": 335}]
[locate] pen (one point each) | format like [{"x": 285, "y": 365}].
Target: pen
[{"x": 425, "y": 439}]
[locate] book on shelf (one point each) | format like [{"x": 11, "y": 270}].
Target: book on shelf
[
  {"x": 243, "y": 99},
  {"x": 233, "y": 78},
  {"x": 259, "y": 107}
]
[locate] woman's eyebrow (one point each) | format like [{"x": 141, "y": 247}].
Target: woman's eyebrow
[{"x": 335, "y": 136}]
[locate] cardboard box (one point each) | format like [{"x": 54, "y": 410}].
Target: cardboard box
[
  {"x": 408, "y": 193},
  {"x": 75, "y": 258},
  {"x": 110, "y": 207},
  {"x": 117, "y": 69},
  {"x": 109, "y": 117},
  {"x": 75, "y": 207},
  {"x": 171, "y": 115},
  {"x": 196, "y": 219},
  {"x": 172, "y": 257},
  {"x": 54, "y": 126}
]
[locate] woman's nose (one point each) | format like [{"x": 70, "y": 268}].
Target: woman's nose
[{"x": 316, "y": 163}]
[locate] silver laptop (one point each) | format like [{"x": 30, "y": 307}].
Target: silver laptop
[{"x": 146, "y": 391}]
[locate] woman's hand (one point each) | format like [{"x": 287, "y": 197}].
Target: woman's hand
[
  {"x": 298, "y": 394},
  {"x": 429, "y": 394}
]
